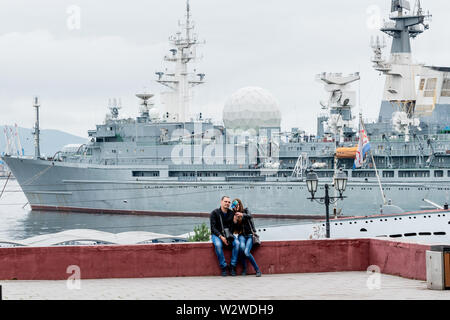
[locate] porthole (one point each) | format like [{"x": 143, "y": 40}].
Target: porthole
[{"x": 363, "y": 230}]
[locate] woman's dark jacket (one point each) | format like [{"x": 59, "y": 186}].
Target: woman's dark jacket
[{"x": 244, "y": 227}]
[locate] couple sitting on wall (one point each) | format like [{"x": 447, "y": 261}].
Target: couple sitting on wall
[{"x": 233, "y": 228}]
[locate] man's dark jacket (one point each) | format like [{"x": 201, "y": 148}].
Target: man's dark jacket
[{"x": 227, "y": 219}]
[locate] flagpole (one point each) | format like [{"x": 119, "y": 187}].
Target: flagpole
[{"x": 374, "y": 164}]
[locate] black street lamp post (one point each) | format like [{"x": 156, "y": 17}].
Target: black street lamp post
[{"x": 340, "y": 183}]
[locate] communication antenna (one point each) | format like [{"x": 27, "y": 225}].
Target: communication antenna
[
  {"x": 12, "y": 141},
  {"x": 19, "y": 144},
  {"x": 114, "y": 106},
  {"x": 7, "y": 141},
  {"x": 181, "y": 80},
  {"x": 36, "y": 132}
]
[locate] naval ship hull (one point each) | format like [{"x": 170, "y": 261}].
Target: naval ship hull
[{"x": 62, "y": 186}]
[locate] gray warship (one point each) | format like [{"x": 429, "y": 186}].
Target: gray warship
[{"x": 167, "y": 161}]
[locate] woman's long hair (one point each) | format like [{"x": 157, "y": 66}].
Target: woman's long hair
[{"x": 239, "y": 207}]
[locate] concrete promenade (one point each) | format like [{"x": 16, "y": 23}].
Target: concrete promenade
[{"x": 303, "y": 286}]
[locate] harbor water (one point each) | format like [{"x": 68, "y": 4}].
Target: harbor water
[{"x": 18, "y": 221}]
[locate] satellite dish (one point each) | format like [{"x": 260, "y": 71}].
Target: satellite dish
[{"x": 145, "y": 96}]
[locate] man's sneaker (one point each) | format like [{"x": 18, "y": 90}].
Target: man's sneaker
[
  {"x": 233, "y": 270},
  {"x": 258, "y": 273},
  {"x": 224, "y": 271}
]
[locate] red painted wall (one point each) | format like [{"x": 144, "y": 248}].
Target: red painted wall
[
  {"x": 199, "y": 259},
  {"x": 407, "y": 260}
]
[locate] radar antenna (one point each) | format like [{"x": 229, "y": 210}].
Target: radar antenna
[
  {"x": 182, "y": 80},
  {"x": 114, "y": 106},
  {"x": 405, "y": 24}
]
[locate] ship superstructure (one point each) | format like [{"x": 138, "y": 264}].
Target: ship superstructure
[{"x": 169, "y": 161}]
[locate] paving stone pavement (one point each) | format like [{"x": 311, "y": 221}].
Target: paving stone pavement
[{"x": 311, "y": 286}]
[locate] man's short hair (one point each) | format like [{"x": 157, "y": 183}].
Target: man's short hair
[{"x": 225, "y": 197}]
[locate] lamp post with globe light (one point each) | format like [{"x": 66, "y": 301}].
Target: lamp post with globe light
[{"x": 340, "y": 183}]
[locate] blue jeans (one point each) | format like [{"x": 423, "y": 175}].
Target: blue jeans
[
  {"x": 218, "y": 246},
  {"x": 246, "y": 243}
]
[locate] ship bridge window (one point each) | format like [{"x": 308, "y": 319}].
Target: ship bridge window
[
  {"x": 145, "y": 173},
  {"x": 414, "y": 174},
  {"x": 388, "y": 174},
  {"x": 422, "y": 84},
  {"x": 446, "y": 88},
  {"x": 438, "y": 173},
  {"x": 363, "y": 174},
  {"x": 430, "y": 88},
  {"x": 325, "y": 174}
]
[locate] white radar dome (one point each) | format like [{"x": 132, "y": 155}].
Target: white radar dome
[
  {"x": 154, "y": 113},
  {"x": 251, "y": 108}
]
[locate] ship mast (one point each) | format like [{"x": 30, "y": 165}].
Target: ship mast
[
  {"x": 183, "y": 52},
  {"x": 400, "y": 71},
  {"x": 37, "y": 131}
]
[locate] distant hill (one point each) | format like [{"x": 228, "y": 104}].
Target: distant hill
[{"x": 51, "y": 141}]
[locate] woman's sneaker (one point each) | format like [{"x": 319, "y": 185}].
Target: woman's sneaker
[{"x": 258, "y": 273}]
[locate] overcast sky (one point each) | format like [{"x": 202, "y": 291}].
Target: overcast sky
[{"x": 279, "y": 45}]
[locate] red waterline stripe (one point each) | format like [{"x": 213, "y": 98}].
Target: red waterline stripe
[{"x": 165, "y": 214}]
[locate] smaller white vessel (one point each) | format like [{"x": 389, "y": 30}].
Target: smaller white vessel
[{"x": 429, "y": 226}]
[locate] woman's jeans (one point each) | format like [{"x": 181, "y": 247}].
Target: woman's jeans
[
  {"x": 246, "y": 243},
  {"x": 218, "y": 246}
]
